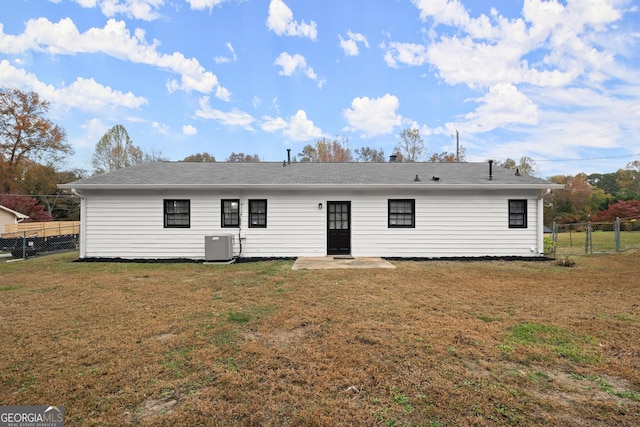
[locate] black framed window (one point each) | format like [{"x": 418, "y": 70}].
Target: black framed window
[
  {"x": 177, "y": 213},
  {"x": 231, "y": 213},
  {"x": 517, "y": 214},
  {"x": 402, "y": 213},
  {"x": 257, "y": 213}
]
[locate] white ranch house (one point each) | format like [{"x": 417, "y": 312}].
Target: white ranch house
[{"x": 181, "y": 210}]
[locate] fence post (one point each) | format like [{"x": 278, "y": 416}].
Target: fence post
[
  {"x": 24, "y": 245},
  {"x": 617, "y": 232},
  {"x": 588, "y": 244},
  {"x": 554, "y": 236}
]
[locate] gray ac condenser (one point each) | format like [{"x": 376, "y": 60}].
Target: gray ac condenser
[{"x": 218, "y": 247}]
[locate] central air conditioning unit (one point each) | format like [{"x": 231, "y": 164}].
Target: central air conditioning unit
[{"x": 218, "y": 247}]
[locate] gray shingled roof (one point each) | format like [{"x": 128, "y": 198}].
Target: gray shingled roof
[{"x": 185, "y": 174}]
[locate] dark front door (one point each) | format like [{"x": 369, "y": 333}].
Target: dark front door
[{"x": 338, "y": 228}]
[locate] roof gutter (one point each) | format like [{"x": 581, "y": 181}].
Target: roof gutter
[{"x": 410, "y": 186}]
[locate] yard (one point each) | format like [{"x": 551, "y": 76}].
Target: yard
[{"x": 430, "y": 343}]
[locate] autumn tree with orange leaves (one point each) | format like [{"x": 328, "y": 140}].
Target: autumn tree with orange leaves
[
  {"x": 326, "y": 150},
  {"x": 26, "y": 135}
]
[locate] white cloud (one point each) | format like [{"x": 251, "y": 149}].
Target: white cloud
[
  {"x": 281, "y": 22},
  {"x": 531, "y": 71},
  {"x": 85, "y": 94},
  {"x": 234, "y": 117},
  {"x": 350, "y": 45},
  {"x": 503, "y": 105},
  {"x": 203, "y": 4},
  {"x": 300, "y": 128},
  {"x": 490, "y": 50},
  {"x": 223, "y": 94},
  {"x": 271, "y": 124},
  {"x": 189, "y": 130},
  {"x": 405, "y": 53},
  {"x": 63, "y": 38},
  {"x": 161, "y": 128},
  {"x": 297, "y": 128},
  {"x": 373, "y": 116},
  {"x": 291, "y": 63},
  {"x": 93, "y": 130},
  {"x": 139, "y": 9},
  {"x": 146, "y": 10},
  {"x": 226, "y": 59},
  {"x": 84, "y": 3}
]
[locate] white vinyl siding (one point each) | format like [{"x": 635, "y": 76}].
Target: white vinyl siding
[{"x": 447, "y": 224}]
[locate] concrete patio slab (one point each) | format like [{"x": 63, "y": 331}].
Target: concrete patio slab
[{"x": 330, "y": 262}]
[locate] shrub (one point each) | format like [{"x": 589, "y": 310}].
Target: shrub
[
  {"x": 549, "y": 245},
  {"x": 565, "y": 262}
]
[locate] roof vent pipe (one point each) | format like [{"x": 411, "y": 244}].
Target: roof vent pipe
[
  {"x": 288, "y": 155},
  {"x": 490, "y": 170}
]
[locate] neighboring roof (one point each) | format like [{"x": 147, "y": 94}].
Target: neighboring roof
[
  {"x": 16, "y": 214},
  {"x": 303, "y": 175}
]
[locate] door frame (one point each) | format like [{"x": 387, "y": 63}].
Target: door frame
[{"x": 347, "y": 250}]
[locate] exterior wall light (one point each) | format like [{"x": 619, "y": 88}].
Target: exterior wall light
[{"x": 320, "y": 205}]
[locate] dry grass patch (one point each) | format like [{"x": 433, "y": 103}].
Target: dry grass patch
[{"x": 429, "y": 343}]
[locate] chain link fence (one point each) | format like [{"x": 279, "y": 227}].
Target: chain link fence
[
  {"x": 623, "y": 234},
  {"x": 39, "y": 240}
]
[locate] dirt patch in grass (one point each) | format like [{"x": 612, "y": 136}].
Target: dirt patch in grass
[{"x": 428, "y": 343}]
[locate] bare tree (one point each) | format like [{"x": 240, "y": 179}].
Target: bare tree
[
  {"x": 443, "y": 157},
  {"x": 411, "y": 145},
  {"x": 525, "y": 167}
]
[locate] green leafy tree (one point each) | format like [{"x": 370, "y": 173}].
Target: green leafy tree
[
  {"x": 26, "y": 135},
  {"x": 608, "y": 182},
  {"x": 243, "y": 158},
  {"x": 200, "y": 158},
  {"x": 629, "y": 180},
  {"x": 411, "y": 146}
]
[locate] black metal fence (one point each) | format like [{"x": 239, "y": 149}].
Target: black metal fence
[
  {"x": 594, "y": 237},
  {"x": 28, "y": 243}
]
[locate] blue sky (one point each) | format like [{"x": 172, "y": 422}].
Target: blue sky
[{"x": 557, "y": 81}]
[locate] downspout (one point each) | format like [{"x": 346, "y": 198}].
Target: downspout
[
  {"x": 540, "y": 225},
  {"x": 82, "y": 242}
]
